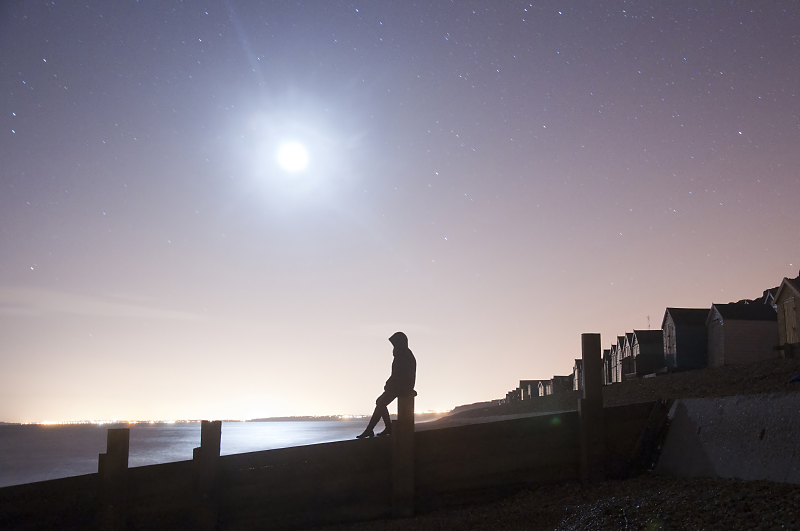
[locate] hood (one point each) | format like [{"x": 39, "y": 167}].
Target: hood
[{"x": 399, "y": 340}]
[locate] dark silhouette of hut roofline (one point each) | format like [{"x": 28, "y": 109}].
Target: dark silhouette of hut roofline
[{"x": 745, "y": 331}]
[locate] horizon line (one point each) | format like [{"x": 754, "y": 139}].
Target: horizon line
[{"x": 100, "y": 422}]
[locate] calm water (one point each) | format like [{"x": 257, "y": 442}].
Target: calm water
[{"x": 36, "y": 453}]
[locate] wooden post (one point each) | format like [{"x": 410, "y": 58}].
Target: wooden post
[
  {"x": 206, "y": 474},
  {"x": 112, "y": 471},
  {"x": 403, "y": 457},
  {"x": 590, "y": 409}
]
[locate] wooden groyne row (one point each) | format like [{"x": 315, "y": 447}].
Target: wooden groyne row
[{"x": 303, "y": 486}]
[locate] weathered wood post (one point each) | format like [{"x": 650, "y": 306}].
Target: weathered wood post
[
  {"x": 403, "y": 457},
  {"x": 206, "y": 475},
  {"x": 590, "y": 409},
  {"x": 112, "y": 472}
]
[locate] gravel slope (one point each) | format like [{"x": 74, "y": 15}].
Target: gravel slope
[{"x": 644, "y": 503}]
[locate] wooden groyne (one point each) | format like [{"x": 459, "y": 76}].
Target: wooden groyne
[{"x": 304, "y": 486}]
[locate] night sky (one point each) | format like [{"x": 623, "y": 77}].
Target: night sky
[{"x": 492, "y": 178}]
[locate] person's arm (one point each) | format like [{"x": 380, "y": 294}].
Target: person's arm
[
  {"x": 392, "y": 381},
  {"x": 403, "y": 374}
]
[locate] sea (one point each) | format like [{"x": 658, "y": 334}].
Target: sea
[{"x": 34, "y": 452}]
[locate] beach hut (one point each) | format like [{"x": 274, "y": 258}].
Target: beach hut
[
  {"x": 685, "y": 338},
  {"x": 577, "y": 375},
  {"x": 614, "y": 364},
  {"x": 628, "y": 362},
  {"x": 620, "y": 352},
  {"x": 607, "y": 367},
  {"x": 514, "y": 395},
  {"x": 561, "y": 384},
  {"x": 786, "y": 299},
  {"x": 647, "y": 351},
  {"x": 530, "y": 389},
  {"x": 741, "y": 332}
]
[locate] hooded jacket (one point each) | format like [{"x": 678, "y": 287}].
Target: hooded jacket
[{"x": 404, "y": 366}]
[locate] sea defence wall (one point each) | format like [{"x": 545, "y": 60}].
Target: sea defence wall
[
  {"x": 303, "y": 486},
  {"x": 747, "y": 437},
  {"x": 323, "y": 483}
]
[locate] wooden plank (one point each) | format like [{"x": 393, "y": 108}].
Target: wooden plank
[
  {"x": 346, "y": 452},
  {"x": 67, "y": 503}
]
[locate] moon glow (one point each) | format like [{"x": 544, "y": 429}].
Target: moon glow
[{"x": 292, "y": 157}]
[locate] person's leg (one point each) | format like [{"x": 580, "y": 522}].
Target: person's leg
[
  {"x": 381, "y": 412},
  {"x": 384, "y": 400},
  {"x": 376, "y": 416},
  {"x": 387, "y": 422}
]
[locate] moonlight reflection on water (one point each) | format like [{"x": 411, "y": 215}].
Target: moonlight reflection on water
[{"x": 31, "y": 453}]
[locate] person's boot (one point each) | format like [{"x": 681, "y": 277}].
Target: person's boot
[
  {"x": 366, "y": 435},
  {"x": 385, "y": 432}
]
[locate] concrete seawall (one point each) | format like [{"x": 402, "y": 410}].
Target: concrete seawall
[{"x": 747, "y": 437}]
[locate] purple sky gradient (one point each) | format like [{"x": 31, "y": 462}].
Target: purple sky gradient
[{"x": 491, "y": 178}]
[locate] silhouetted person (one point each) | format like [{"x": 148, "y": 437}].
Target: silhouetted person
[{"x": 404, "y": 375}]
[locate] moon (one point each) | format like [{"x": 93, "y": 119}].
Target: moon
[{"x": 293, "y": 157}]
